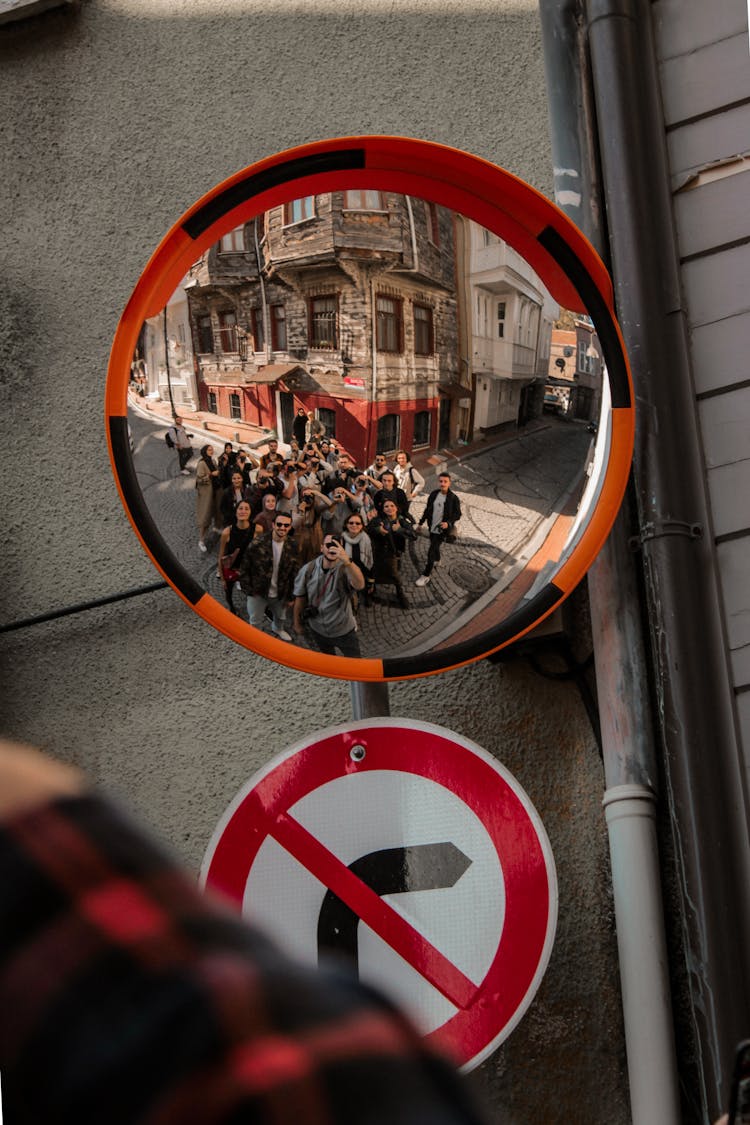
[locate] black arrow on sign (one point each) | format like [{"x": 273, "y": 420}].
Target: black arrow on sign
[{"x": 420, "y": 867}]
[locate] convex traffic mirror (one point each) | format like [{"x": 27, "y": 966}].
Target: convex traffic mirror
[{"x": 356, "y": 299}]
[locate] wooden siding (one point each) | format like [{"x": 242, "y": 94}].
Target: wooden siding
[{"x": 705, "y": 77}]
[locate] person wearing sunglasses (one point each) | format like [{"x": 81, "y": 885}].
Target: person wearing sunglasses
[{"x": 267, "y": 574}]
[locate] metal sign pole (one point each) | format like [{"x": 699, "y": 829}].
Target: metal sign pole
[{"x": 369, "y": 701}]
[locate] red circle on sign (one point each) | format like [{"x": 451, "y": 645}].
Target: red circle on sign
[{"x": 489, "y": 1011}]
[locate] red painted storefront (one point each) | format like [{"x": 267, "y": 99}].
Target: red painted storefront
[{"x": 356, "y": 425}]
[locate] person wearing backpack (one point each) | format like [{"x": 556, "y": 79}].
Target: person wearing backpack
[
  {"x": 407, "y": 477},
  {"x": 322, "y": 599},
  {"x": 178, "y": 438}
]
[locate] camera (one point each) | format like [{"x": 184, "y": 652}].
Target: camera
[{"x": 309, "y": 611}]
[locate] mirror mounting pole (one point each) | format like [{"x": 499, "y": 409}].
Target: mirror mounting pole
[{"x": 369, "y": 701}]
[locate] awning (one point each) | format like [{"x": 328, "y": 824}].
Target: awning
[
  {"x": 454, "y": 389},
  {"x": 272, "y": 372}
]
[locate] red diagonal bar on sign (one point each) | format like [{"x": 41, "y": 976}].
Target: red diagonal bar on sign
[{"x": 380, "y": 916}]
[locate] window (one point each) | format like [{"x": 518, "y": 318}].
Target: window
[
  {"x": 587, "y": 358},
  {"x": 500, "y": 319},
  {"x": 388, "y": 324},
  {"x": 422, "y": 427},
  {"x": 228, "y": 330},
  {"x": 323, "y": 322},
  {"x": 328, "y": 418},
  {"x": 299, "y": 210},
  {"x": 482, "y": 323},
  {"x": 233, "y": 241},
  {"x": 524, "y": 322},
  {"x": 423, "y": 336},
  {"x": 235, "y": 407},
  {"x": 205, "y": 335},
  {"x": 259, "y": 336},
  {"x": 278, "y": 328},
  {"x": 364, "y": 201},
  {"x": 531, "y": 331},
  {"x": 433, "y": 223},
  {"x": 389, "y": 433},
  {"x": 213, "y": 404}
]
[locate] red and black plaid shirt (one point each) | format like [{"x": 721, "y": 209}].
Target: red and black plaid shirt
[{"x": 126, "y": 996}]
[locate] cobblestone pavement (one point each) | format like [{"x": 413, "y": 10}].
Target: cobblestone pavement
[{"x": 507, "y": 493}]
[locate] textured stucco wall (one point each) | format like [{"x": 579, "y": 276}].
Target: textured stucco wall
[{"x": 116, "y": 116}]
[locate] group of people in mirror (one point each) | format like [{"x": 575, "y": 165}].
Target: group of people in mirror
[{"x": 307, "y": 535}]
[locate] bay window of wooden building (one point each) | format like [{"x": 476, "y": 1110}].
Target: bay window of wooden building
[
  {"x": 228, "y": 330},
  {"x": 322, "y": 323},
  {"x": 278, "y": 328},
  {"x": 388, "y": 334},
  {"x": 423, "y": 331}
]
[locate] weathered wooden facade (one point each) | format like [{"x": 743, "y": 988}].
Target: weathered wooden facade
[{"x": 343, "y": 303}]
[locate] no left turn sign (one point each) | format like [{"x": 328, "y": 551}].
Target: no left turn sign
[{"x": 413, "y": 852}]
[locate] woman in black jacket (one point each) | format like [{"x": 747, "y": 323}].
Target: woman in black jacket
[
  {"x": 389, "y": 533},
  {"x": 234, "y": 541}
]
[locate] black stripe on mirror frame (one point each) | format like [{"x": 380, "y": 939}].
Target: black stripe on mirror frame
[
  {"x": 482, "y": 645},
  {"x": 136, "y": 505},
  {"x": 341, "y": 161},
  {"x": 596, "y": 308}
]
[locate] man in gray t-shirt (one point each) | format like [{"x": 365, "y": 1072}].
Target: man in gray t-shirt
[{"x": 322, "y": 599}]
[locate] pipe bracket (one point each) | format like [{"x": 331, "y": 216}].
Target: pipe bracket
[{"x": 659, "y": 528}]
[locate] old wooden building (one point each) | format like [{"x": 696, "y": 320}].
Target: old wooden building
[{"x": 343, "y": 303}]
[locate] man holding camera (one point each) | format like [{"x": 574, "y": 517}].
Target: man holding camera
[
  {"x": 322, "y": 599},
  {"x": 265, "y": 481}
]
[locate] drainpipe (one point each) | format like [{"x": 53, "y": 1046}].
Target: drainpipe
[
  {"x": 413, "y": 234},
  {"x": 625, "y": 717},
  {"x": 263, "y": 300},
  {"x": 704, "y": 781},
  {"x": 373, "y": 350}
]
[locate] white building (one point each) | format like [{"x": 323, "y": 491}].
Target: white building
[
  {"x": 511, "y": 317},
  {"x": 180, "y": 353}
]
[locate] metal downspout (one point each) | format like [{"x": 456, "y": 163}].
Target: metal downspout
[
  {"x": 625, "y": 716},
  {"x": 702, "y": 763},
  {"x": 413, "y": 236},
  {"x": 263, "y": 299},
  {"x": 373, "y": 345}
]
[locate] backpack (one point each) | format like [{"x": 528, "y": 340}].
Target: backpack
[{"x": 168, "y": 439}]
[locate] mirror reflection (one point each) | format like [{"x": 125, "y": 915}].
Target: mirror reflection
[{"x": 363, "y": 424}]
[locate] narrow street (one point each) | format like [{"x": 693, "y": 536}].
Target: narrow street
[{"x": 510, "y": 497}]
